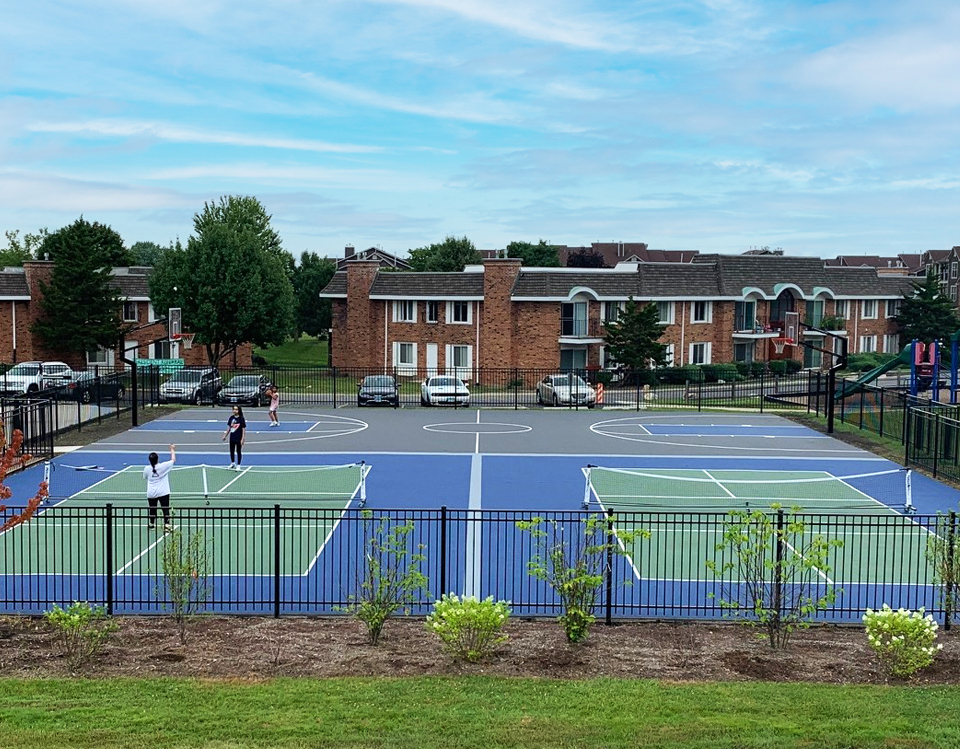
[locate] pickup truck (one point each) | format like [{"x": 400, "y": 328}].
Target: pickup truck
[{"x": 34, "y": 376}]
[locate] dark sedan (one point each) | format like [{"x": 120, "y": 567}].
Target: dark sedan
[
  {"x": 377, "y": 389},
  {"x": 86, "y": 387},
  {"x": 245, "y": 390}
]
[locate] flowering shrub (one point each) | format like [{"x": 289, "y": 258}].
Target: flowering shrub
[
  {"x": 469, "y": 628},
  {"x": 903, "y": 640},
  {"x": 82, "y": 630}
]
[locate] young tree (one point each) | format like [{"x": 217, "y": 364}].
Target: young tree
[
  {"x": 80, "y": 309},
  {"x": 450, "y": 256},
  {"x": 98, "y": 239},
  {"x": 540, "y": 255},
  {"x": 230, "y": 280},
  {"x": 19, "y": 250},
  {"x": 634, "y": 339},
  {"x": 586, "y": 257},
  {"x": 145, "y": 253},
  {"x": 309, "y": 278},
  {"x": 11, "y": 457},
  {"x": 927, "y": 314}
]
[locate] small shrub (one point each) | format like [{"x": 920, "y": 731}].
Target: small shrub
[
  {"x": 757, "y": 368},
  {"x": 469, "y": 628},
  {"x": 605, "y": 377},
  {"x": 185, "y": 571},
  {"x": 81, "y": 629},
  {"x": 793, "y": 366},
  {"x": 904, "y": 641},
  {"x": 777, "y": 367}
]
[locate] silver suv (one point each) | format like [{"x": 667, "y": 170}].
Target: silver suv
[{"x": 196, "y": 385}]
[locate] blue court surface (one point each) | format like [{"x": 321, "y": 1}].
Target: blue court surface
[{"x": 474, "y": 538}]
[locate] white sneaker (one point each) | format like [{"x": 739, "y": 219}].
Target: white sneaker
[
  {"x": 168, "y": 527},
  {"x": 232, "y": 466}
]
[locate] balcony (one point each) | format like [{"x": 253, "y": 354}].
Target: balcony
[
  {"x": 580, "y": 330},
  {"x": 751, "y": 329}
]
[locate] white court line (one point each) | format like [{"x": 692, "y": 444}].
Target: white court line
[
  {"x": 476, "y": 448},
  {"x": 623, "y": 548},
  {"x": 474, "y": 535},
  {"x": 714, "y": 479},
  {"x": 160, "y": 538},
  {"x": 364, "y": 470},
  {"x": 232, "y": 481}
]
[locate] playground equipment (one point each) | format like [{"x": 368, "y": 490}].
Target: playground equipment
[{"x": 924, "y": 362}]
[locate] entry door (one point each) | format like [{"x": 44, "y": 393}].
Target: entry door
[{"x": 432, "y": 359}]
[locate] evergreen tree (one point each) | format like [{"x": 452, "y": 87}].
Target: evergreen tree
[
  {"x": 309, "y": 278},
  {"x": 540, "y": 255},
  {"x": 80, "y": 309},
  {"x": 633, "y": 341},
  {"x": 145, "y": 253},
  {"x": 450, "y": 255},
  {"x": 230, "y": 281},
  {"x": 927, "y": 313},
  {"x": 100, "y": 240}
]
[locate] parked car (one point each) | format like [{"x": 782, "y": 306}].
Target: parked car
[
  {"x": 444, "y": 390},
  {"x": 566, "y": 390},
  {"x": 245, "y": 389},
  {"x": 87, "y": 387},
  {"x": 196, "y": 385},
  {"x": 33, "y": 376},
  {"x": 378, "y": 389}
]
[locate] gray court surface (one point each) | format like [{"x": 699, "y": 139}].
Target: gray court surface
[{"x": 491, "y": 431}]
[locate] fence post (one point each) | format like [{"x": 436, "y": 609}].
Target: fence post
[
  {"x": 334, "y": 387},
  {"x": 954, "y": 585},
  {"x": 109, "y": 550},
  {"x": 906, "y": 434},
  {"x": 443, "y": 550},
  {"x": 276, "y": 561},
  {"x": 778, "y": 569},
  {"x": 700, "y": 392},
  {"x": 936, "y": 441},
  {"x": 883, "y": 397},
  {"x": 516, "y": 388},
  {"x": 608, "y": 572},
  {"x": 862, "y": 393}
]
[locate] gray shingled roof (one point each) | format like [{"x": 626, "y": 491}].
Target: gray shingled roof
[
  {"x": 13, "y": 283},
  {"x": 133, "y": 282},
  {"x": 679, "y": 280},
  {"x": 428, "y": 285},
  {"x": 337, "y": 286},
  {"x": 533, "y": 285}
]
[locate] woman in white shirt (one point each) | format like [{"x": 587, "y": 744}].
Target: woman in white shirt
[{"x": 158, "y": 488}]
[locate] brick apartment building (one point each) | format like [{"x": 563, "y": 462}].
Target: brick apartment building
[
  {"x": 714, "y": 309},
  {"x": 20, "y": 295}
]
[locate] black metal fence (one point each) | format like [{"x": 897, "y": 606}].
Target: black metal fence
[
  {"x": 34, "y": 419},
  {"x": 282, "y": 560}
]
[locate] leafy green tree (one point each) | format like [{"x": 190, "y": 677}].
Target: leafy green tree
[
  {"x": 80, "y": 308},
  {"x": 230, "y": 280},
  {"x": 633, "y": 340},
  {"x": 146, "y": 253},
  {"x": 309, "y": 278},
  {"x": 540, "y": 255},
  {"x": 927, "y": 313},
  {"x": 586, "y": 257},
  {"x": 18, "y": 250},
  {"x": 100, "y": 240},
  {"x": 451, "y": 255}
]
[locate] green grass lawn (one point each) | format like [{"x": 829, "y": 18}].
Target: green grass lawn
[
  {"x": 421, "y": 713},
  {"x": 305, "y": 352}
]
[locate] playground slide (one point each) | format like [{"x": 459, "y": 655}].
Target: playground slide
[{"x": 849, "y": 388}]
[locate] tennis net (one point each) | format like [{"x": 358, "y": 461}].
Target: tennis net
[{"x": 699, "y": 490}]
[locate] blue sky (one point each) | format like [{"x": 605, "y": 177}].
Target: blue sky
[{"x": 819, "y": 127}]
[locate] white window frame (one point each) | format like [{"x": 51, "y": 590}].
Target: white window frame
[
  {"x": 842, "y": 309},
  {"x": 670, "y": 310},
  {"x": 671, "y": 359},
  {"x": 868, "y": 344},
  {"x": 403, "y": 366},
  {"x": 707, "y": 311},
  {"x": 607, "y": 362},
  {"x": 953, "y": 269},
  {"x": 707, "y": 347},
  {"x": 436, "y": 309},
  {"x": 461, "y": 371},
  {"x": 891, "y": 343},
  {"x": 864, "y": 315},
  {"x": 611, "y": 306},
  {"x": 102, "y": 357},
  {"x": 953, "y": 293},
  {"x": 405, "y": 310},
  {"x": 151, "y": 313},
  {"x": 451, "y": 306},
  {"x": 891, "y": 308},
  {"x": 136, "y": 311}
]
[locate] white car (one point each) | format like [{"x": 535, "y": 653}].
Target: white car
[
  {"x": 33, "y": 376},
  {"x": 444, "y": 390},
  {"x": 566, "y": 390}
]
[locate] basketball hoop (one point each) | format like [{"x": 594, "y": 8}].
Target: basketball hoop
[
  {"x": 779, "y": 344},
  {"x": 187, "y": 340}
]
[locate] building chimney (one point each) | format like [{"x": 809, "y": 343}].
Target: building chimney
[{"x": 348, "y": 251}]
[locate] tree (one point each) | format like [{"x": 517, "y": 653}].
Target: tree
[
  {"x": 927, "y": 314},
  {"x": 586, "y": 257},
  {"x": 100, "y": 240},
  {"x": 145, "y": 253},
  {"x": 309, "y": 278},
  {"x": 11, "y": 458},
  {"x": 80, "y": 308},
  {"x": 230, "y": 280},
  {"x": 634, "y": 339},
  {"x": 540, "y": 255},
  {"x": 18, "y": 251},
  {"x": 450, "y": 256}
]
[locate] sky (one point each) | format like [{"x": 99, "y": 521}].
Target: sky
[{"x": 821, "y": 128}]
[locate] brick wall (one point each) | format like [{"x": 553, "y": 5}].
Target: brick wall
[
  {"x": 441, "y": 333},
  {"x": 364, "y": 328},
  {"x": 499, "y": 328}
]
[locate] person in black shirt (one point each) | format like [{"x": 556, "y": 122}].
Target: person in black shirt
[{"x": 237, "y": 430}]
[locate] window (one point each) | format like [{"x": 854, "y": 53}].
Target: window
[
  {"x": 151, "y": 312},
  {"x": 130, "y": 312},
  {"x": 405, "y": 357},
  {"x": 868, "y": 344},
  {"x": 161, "y": 350},
  {"x": 606, "y": 358},
  {"x": 743, "y": 352},
  {"x": 891, "y": 343},
  {"x": 459, "y": 313},
  {"x": 700, "y": 353},
  {"x": 841, "y": 309},
  {"x": 611, "y": 311},
  {"x": 953, "y": 269},
  {"x": 953, "y": 293},
  {"x": 701, "y": 312},
  {"x": 665, "y": 311},
  {"x": 405, "y": 311},
  {"x": 745, "y": 316},
  {"x": 868, "y": 309},
  {"x": 669, "y": 355},
  {"x": 459, "y": 360},
  {"x": 100, "y": 358},
  {"x": 433, "y": 311},
  {"x": 814, "y": 313},
  {"x": 892, "y": 307},
  {"x": 573, "y": 319}
]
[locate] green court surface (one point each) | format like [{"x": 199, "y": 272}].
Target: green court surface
[
  {"x": 232, "y": 509},
  {"x": 686, "y": 511}
]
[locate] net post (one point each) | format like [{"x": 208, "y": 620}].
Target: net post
[
  {"x": 203, "y": 473},
  {"x": 108, "y": 543},
  {"x": 47, "y": 473},
  {"x": 363, "y": 483},
  {"x": 276, "y": 561},
  {"x": 443, "y": 551},
  {"x": 586, "y": 488},
  {"x": 908, "y": 505},
  {"x": 608, "y": 572}
]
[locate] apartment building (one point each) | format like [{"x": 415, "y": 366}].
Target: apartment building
[{"x": 715, "y": 309}]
